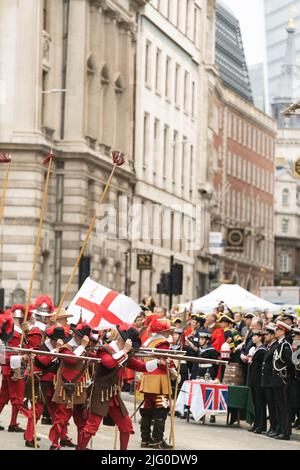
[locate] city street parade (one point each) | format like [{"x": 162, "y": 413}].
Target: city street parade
[{"x": 149, "y": 229}]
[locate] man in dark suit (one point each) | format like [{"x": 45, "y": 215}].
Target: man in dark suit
[
  {"x": 256, "y": 355},
  {"x": 266, "y": 377}
]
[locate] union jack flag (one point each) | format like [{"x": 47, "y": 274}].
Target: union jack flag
[{"x": 215, "y": 398}]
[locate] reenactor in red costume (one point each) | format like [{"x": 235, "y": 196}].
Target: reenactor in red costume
[
  {"x": 105, "y": 402},
  {"x": 43, "y": 311},
  {"x": 156, "y": 388},
  {"x": 13, "y": 382},
  {"x": 45, "y": 369},
  {"x": 6, "y": 333},
  {"x": 70, "y": 388}
]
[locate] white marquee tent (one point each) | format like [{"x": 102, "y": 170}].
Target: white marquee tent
[{"x": 232, "y": 295}]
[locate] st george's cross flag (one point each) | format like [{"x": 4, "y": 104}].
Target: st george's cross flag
[{"x": 101, "y": 307}]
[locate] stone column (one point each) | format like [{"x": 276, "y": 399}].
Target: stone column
[
  {"x": 76, "y": 71},
  {"x": 27, "y": 97}
]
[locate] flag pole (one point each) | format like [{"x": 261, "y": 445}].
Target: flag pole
[
  {"x": 4, "y": 159},
  {"x": 118, "y": 160},
  {"x": 48, "y": 161}
]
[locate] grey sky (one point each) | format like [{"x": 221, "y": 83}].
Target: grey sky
[{"x": 250, "y": 14}]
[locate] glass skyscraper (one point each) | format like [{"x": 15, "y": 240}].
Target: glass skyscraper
[{"x": 277, "y": 16}]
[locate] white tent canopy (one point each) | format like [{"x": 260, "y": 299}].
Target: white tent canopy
[{"x": 234, "y": 296}]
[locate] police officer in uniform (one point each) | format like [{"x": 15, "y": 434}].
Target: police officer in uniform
[
  {"x": 205, "y": 351},
  {"x": 266, "y": 377},
  {"x": 256, "y": 355}
]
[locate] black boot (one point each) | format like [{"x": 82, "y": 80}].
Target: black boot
[
  {"x": 160, "y": 417},
  {"x": 146, "y": 414}
]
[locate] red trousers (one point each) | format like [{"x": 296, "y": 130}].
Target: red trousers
[
  {"x": 29, "y": 433},
  {"x": 13, "y": 391},
  {"x": 92, "y": 425},
  {"x": 62, "y": 416}
]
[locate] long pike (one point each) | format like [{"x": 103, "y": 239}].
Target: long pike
[
  {"x": 49, "y": 353},
  {"x": 178, "y": 357}
]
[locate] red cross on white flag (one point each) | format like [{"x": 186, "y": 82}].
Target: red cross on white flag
[{"x": 102, "y": 307}]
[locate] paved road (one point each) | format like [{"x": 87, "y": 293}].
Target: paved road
[{"x": 189, "y": 436}]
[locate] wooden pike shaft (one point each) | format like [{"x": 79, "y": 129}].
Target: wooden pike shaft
[
  {"x": 33, "y": 402},
  {"x": 172, "y": 410},
  {"x": 86, "y": 240},
  {"x": 199, "y": 360},
  {"x": 4, "y": 190},
  {"x": 164, "y": 351},
  {"x": 48, "y": 353},
  {"x": 37, "y": 244},
  {"x": 172, "y": 430}
]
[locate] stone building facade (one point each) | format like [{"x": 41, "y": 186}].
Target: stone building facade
[
  {"x": 287, "y": 228},
  {"x": 72, "y": 79},
  {"x": 87, "y": 48},
  {"x": 175, "y": 53},
  {"x": 242, "y": 142}
]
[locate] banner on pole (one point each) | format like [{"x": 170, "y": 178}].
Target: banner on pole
[{"x": 102, "y": 307}]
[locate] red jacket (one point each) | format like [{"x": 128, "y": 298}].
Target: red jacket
[
  {"x": 47, "y": 365},
  {"x": 111, "y": 362},
  {"x": 217, "y": 338},
  {"x": 14, "y": 343}
]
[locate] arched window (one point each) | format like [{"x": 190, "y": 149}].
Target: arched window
[
  {"x": 285, "y": 197},
  {"x": 284, "y": 262},
  {"x": 285, "y": 225}
]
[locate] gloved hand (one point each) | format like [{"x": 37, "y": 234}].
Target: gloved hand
[{"x": 173, "y": 374}]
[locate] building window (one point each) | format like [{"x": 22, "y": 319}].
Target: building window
[
  {"x": 195, "y": 28},
  {"x": 229, "y": 163},
  {"x": 46, "y": 4},
  {"x": 145, "y": 138},
  {"x": 158, "y": 71},
  {"x": 253, "y": 174},
  {"x": 178, "y": 11},
  {"x": 186, "y": 92},
  {"x": 165, "y": 154},
  {"x": 233, "y": 165},
  {"x": 285, "y": 197},
  {"x": 193, "y": 99},
  {"x": 285, "y": 225},
  {"x": 239, "y": 172},
  {"x": 156, "y": 145},
  {"x": 240, "y": 130},
  {"x": 191, "y": 168},
  {"x": 45, "y": 82},
  {"x": 249, "y": 137},
  {"x": 234, "y": 126},
  {"x": 167, "y": 78},
  {"x": 229, "y": 125},
  {"x": 148, "y": 63},
  {"x": 245, "y": 134},
  {"x": 244, "y": 174},
  {"x": 184, "y": 159},
  {"x": 175, "y": 154},
  {"x": 177, "y": 87},
  {"x": 284, "y": 262}
]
